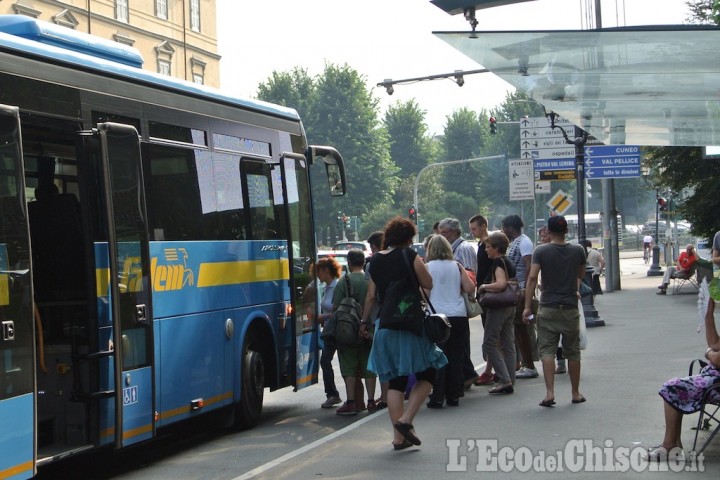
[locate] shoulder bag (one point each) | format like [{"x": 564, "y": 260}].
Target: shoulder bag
[
  {"x": 472, "y": 307},
  {"x": 436, "y": 325},
  {"x": 506, "y": 298}
]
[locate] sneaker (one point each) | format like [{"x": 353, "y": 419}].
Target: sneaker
[
  {"x": 348, "y": 408},
  {"x": 526, "y": 373},
  {"x": 561, "y": 367},
  {"x": 372, "y": 406},
  {"x": 360, "y": 406},
  {"x": 331, "y": 402},
  {"x": 484, "y": 379}
]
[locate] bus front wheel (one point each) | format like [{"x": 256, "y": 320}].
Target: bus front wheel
[{"x": 252, "y": 385}]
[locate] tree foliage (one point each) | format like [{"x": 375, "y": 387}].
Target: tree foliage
[
  {"x": 339, "y": 110},
  {"x": 684, "y": 170}
]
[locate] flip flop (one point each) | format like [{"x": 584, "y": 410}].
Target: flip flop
[
  {"x": 405, "y": 429},
  {"x": 579, "y": 400},
  {"x": 547, "y": 403}
]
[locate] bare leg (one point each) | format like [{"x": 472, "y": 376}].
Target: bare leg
[
  {"x": 548, "y": 364},
  {"x": 370, "y": 386},
  {"x": 418, "y": 396},
  {"x": 383, "y": 391},
  {"x": 350, "y": 388},
  {"x": 395, "y": 401},
  {"x": 574, "y": 370},
  {"x": 673, "y": 427}
]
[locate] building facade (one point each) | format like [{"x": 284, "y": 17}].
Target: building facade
[{"x": 175, "y": 37}]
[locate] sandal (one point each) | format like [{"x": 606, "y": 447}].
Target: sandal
[
  {"x": 405, "y": 429},
  {"x": 547, "y": 403},
  {"x": 402, "y": 446},
  {"x": 661, "y": 454}
]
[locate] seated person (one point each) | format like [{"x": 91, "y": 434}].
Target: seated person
[
  {"x": 683, "y": 395},
  {"x": 685, "y": 263}
]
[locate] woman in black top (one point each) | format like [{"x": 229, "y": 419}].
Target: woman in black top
[
  {"x": 396, "y": 354},
  {"x": 499, "y": 323}
]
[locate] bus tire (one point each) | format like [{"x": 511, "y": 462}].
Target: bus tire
[{"x": 252, "y": 386}]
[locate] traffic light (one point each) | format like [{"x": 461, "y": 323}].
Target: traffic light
[
  {"x": 493, "y": 125},
  {"x": 663, "y": 204},
  {"x": 412, "y": 213},
  {"x": 347, "y": 222}
]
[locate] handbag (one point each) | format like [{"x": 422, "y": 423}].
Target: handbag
[
  {"x": 508, "y": 297},
  {"x": 472, "y": 308},
  {"x": 402, "y": 306}
]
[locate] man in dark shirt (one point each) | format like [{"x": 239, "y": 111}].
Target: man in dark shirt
[
  {"x": 479, "y": 228},
  {"x": 562, "y": 266}
]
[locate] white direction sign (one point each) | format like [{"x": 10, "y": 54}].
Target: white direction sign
[
  {"x": 539, "y": 141},
  {"x": 521, "y": 180}
]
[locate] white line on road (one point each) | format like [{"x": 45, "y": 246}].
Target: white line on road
[{"x": 289, "y": 456}]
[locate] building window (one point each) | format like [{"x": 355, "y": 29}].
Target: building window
[
  {"x": 161, "y": 9},
  {"x": 164, "y": 53},
  {"x": 195, "y": 15},
  {"x": 164, "y": 67},
  {"x": 197, "y": 67},
  {"x": 121, "y": 10}
]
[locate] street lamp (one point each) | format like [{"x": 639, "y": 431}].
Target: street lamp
[{"x": 655, "y": 270}]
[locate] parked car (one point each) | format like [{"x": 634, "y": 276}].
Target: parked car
[
  {"x": 420, "y": 249},
  {"x": 339, "y": 255},
  {"x": 349, "y": 245}
]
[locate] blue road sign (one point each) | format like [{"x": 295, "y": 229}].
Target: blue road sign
[
  {"x": 611, "y": 150},
  {"x": 612, "y": 161}
]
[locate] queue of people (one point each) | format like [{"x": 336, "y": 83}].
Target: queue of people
[{"x": 409, "y": 366}]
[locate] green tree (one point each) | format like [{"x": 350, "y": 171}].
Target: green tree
[
  {"x": 347, "y": 118},
  {"x": 683, "y": 169},
  {"x": 295, "y": 89},
  {"x": 463, "y": 139},
  {"x": 411, "y": 149},
  {"x": 704, "y": 11}
]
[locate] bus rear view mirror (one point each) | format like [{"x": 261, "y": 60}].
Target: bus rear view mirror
[{"x": 334, "y": 168}]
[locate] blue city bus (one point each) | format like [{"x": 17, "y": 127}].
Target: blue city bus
[{"x": 156, "y": 244}]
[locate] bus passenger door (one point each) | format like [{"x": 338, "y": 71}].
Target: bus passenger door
[
  {"x": 301, "y": 254},
  {"x": 129, "y": 289},
  {"x": 17, "y": 331}
]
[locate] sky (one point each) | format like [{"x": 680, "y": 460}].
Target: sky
[{"x": 392, "y": 39}]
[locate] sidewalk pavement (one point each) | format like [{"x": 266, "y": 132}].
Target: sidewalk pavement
[{"x": 646, "y": 340}]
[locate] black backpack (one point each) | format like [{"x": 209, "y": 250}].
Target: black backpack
[{"x": 347, "y": 318}]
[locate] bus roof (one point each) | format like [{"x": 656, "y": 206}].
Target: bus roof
[{"x": 57, "y": 44}]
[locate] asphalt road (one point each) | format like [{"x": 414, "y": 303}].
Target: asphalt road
[{"x": 646, "y": 340}]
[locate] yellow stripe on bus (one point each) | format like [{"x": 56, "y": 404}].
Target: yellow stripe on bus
[
  {"x": 102, "y": 281},
  {"x": 307, "y": 379},
  {"x": 17, "y": 469},
  {"x": 231, "y": 273}
]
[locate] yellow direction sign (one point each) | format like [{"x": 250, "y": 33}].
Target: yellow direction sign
[{"x": 560, "y": 203}]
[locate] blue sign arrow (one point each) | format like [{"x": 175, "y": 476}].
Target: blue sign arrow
[
  {"x": 612, "y": 150},
  {"x": 612, "y": 161},
  {"x": 612, "y": 172}
]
